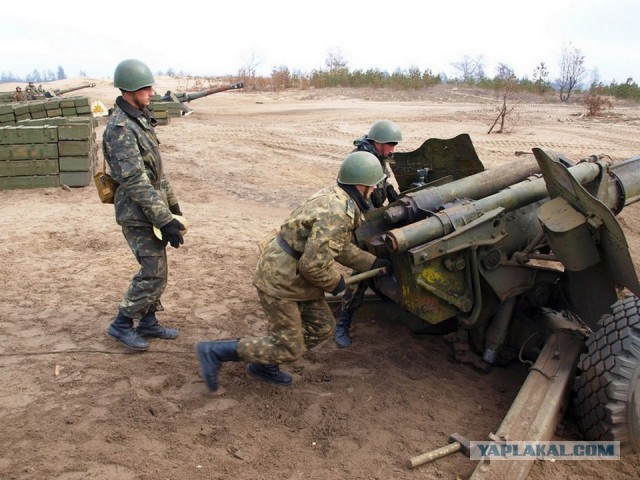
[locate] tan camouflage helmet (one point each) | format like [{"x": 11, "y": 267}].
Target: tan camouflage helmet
[
  {"x": 385, "y": 131},
  {"x": 361, "y": 168}
]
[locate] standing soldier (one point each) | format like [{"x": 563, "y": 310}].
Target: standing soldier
[
  {"x": 143, "y": 199},
  {"x": 297, "y": 266},
  {"x": 381, "y": 141}
]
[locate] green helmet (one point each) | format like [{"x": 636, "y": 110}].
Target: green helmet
[
  {"x": 132, "y": 75},
  {"x": 385, "y": 131},
  {"x": 361, "y": 168}
]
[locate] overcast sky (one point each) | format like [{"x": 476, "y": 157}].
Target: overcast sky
[{"x": 220, "y": 38}]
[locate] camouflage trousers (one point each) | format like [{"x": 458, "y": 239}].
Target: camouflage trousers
[
  {"x": 294, "y": 327},
  {"x": 147, "y": 285}
]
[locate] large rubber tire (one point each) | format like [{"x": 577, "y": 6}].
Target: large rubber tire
[{"x": 607, "y": 390}]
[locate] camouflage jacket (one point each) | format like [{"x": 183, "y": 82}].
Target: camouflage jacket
[
  {"x": 363, "y": 144},
  {"x": 31, "y": 92},
  {"x": 320, "y": 230},
  {"x": 130, "y": 147}
]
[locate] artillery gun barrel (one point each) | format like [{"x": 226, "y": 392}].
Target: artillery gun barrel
[
  {"x": 475, "y": 186},
  {"x": 628, "y": 174},
  {"x": 625, "y": 190},
  {"x": 56, "y": 93},
  {"x": 187, "y": 97}
]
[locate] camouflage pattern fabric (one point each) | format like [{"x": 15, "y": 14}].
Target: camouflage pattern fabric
[
  {"x": 363, "y": 144},
  {"x": 130, "y": 147},
  {"x": 321, "y": 230},
  {"x": 292, "y": 291},
  {"x": 31, "y": 92},
  {"x": 354, "y": 294},
  {"x": 295, "y": 327},
  {"x": 147, "y": 285}
]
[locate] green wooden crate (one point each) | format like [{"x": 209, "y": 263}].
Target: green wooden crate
[
  {"x": 52, "y": 105},
  {"x": 75, "y": 179},
  {"x": 36, "y": 181},
  {"x": 74, "y": 148},
  {"x": 69, "y": 112},
  {"x": 21, "y": 134},
  {"x": 67, "y": 103},
  {"x": 8, "y": 117},
  {"x": 81, "y": 102},
  {"x": 36, "y": 107},
  {"x": 28, "y": 167},
  {"x": 159, "y": 106},
  {"x": 74, "y": 131},
  {"x": 21, "y": 109},
  {"x": 75, "y": 164},
  {"x": 54, "y": 113},
  {"x": 28, "y": 151}
]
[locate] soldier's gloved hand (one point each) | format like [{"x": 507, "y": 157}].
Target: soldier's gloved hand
[
  {"x": 383, "y": 263},
  {"x": 171, "y": 233},
  {"x": 378, "y": 197},
  {"x": 392, "y": 195},
  {"x": 340, "y": 287},
  {"x": 175, "y": 209}
]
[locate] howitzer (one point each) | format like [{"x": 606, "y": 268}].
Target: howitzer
[
  {"x": 57, "y": 93},
  {"x": 187, "y": 97},
  {"x": 515, "y": 256}
]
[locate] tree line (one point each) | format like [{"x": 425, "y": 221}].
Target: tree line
[
  {"x": 468, "y": 71},
  {"x": 35, "y": 76}
]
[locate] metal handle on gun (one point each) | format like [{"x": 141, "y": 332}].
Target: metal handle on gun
[{"x": 358, "y": 277}]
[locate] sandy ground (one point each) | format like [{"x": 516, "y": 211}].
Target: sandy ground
[{"x": 77, "y": 405}]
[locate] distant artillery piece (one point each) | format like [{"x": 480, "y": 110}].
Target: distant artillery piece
[
  {"x": 183, "y": 97},
  {"x": 58, "y": 92},
  {"x": 187, "y": 97}
]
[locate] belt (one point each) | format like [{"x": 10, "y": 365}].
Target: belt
[{"x": 287, "y": 248}]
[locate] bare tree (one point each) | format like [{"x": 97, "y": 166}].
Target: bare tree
[
  {"x": 335, "y": 60},
  {"x": 541, "y": 77},
  {"x": 505, "y": 81},
  {"x": 572, "y": 70},
  {"x": 251, "y": 64},
  {"x": 470, "y": 69}
]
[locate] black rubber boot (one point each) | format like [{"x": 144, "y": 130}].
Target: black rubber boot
[
  {"x": 269, "y": 373},
  {"x": 343, "y": 329},
  {"x": 122, "y": 330},
  {"x": 211, "y": 355},
  {"x": 149, "y": 327}
]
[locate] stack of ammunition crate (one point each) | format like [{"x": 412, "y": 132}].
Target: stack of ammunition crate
[
  {"x": 7, "y": 97},
  {"x": 12, "y": 113},
  {"x": 164, "y": 110},
  {"x": 48, "y": 153}
]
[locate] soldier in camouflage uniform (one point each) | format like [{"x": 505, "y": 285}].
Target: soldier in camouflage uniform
[
  {"x": 297, "y": 266},
  {"x": 144, "y": 198},
  {"x": 381, "y": 141},
  {"x": 18, "y": 96},
  {"x": 31, "y": 91}
]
